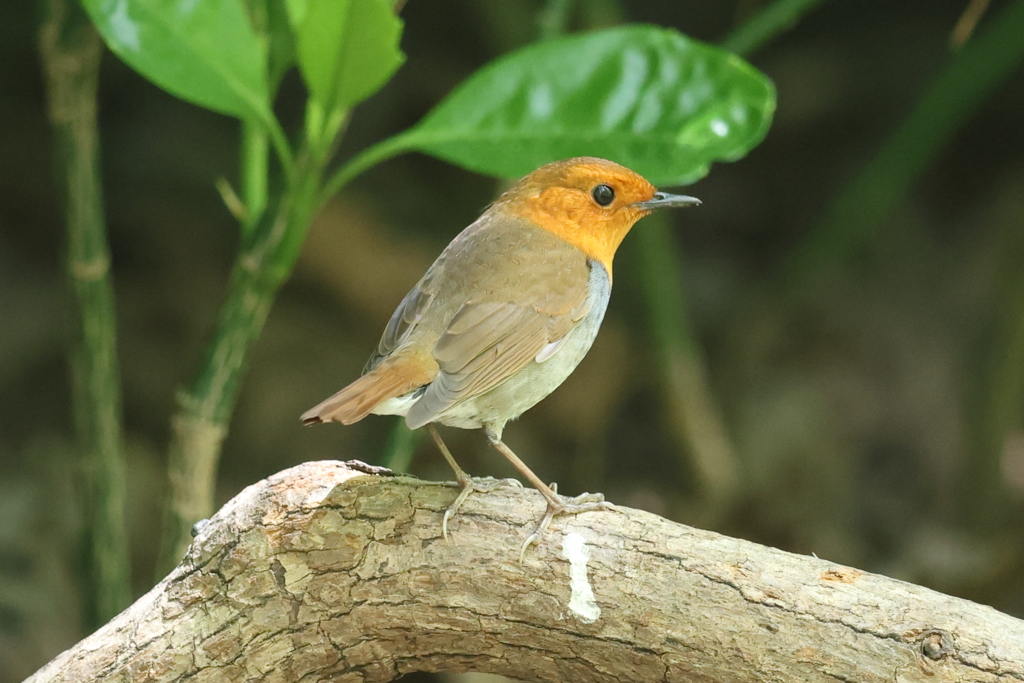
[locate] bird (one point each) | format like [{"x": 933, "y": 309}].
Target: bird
[{"x": 504, "y": 316}]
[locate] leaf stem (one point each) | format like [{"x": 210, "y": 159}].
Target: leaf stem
[
  {"x": 280, "y": 143},
  {"x": 255, "y": 168},
  {"x": 553, "y": 18},
  {"x": 371, "y": 156}
]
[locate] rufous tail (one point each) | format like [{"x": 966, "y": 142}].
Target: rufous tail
[{"x": 395, "y": 376}]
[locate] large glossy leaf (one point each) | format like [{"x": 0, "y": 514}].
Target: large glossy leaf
[
  {"x": 202, "y": 51},
  {"x": 347, "y": 49},
  {"x": 647, "y": 97}
]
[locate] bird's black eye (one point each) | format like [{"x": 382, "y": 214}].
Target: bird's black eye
[{"x": 603, "y": 194}]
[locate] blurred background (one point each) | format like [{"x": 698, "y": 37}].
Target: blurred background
[{"x": 863, "y": 403}]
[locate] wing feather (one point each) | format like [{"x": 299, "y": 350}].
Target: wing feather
[{"x": 475, "y": 358}]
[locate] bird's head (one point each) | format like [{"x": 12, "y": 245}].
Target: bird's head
[{"x": 589, "y": 202}]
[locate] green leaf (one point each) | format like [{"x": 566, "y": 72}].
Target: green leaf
[
  {"x": 347, "y": 49},
  {"x": 202, "y": 51},
  {"x": 644, "y": 96}
]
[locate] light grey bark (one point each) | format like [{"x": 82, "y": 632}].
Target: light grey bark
[{"x": 330, "y": 572}]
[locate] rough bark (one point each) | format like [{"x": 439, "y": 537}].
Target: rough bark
[{"x": 328, "y": 571}]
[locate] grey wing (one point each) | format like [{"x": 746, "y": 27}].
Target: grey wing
[{"x": 484, "y": 345}]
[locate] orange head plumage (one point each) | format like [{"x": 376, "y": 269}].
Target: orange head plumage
[{"x": 589, "y": 202}]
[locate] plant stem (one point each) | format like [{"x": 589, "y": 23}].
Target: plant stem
[
  {"x": 694, "y": 416},
  {"x": 255, "y": 174},
  {"x": 279, "y": 142},
  {"x": 552, "y": 20},
  {"x": 981, "y": 493},
  {"x": 370, "y": 156},
  {"x": 400, "y": 447},
  {"x": 201, "y": 424},
  {"x": 71, "y": 52}
]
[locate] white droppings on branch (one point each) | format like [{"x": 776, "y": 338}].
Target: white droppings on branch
[{"x": 582, "y": 602}]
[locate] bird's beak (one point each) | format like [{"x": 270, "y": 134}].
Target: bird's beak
[{"x": 664, "y": 200}]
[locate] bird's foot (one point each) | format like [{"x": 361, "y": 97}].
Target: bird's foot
[
  {"x": 585, "y": 502},
  {"x": 471, "y": 485}
]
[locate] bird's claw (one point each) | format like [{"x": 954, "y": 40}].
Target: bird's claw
[
  {"x": 469, "y": 486},
  {"x": 585, "y": 502}
]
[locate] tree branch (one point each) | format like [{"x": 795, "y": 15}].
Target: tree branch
[{"x": 327, "y": 571}]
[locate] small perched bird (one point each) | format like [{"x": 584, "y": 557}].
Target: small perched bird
[{"x": 505, "y": 314}]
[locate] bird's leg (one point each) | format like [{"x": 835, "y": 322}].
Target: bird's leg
[
  {"x": 460, "y": 474},
  {"x": 469, "y": 484},
  {"x": 557, "y": 505}
]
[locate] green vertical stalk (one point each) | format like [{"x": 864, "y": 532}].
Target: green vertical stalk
[
  {"x": 71, "y": 52},
  {"x": 997, "y": 398},
  {"x": 695, "y": 417},
  {"x": 254, "y": 161},
  {"x": 552, "y": 20},
  {"x": 255, "y": 174},
  {"x": 400, "y": 447},
  {"x": 271, "y": 242},
  {"x": 199, "y": 427}
]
